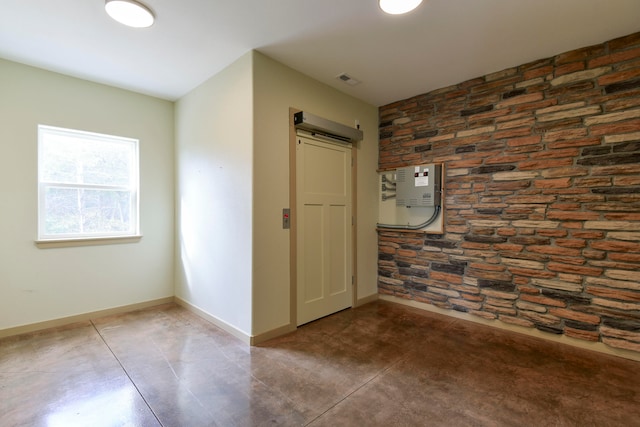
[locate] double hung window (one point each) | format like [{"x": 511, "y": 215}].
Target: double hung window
[{"x": 87, "y": 185}]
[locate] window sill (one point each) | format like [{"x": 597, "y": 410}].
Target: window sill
[{"x": 86, "y": 241}]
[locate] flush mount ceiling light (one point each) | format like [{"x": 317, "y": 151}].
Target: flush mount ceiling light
[
  {"x": 398, "y": 7},
  {"x": 130, "y": 13}
]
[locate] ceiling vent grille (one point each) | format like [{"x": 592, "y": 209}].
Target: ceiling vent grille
[{"x": 348, "y": 79}]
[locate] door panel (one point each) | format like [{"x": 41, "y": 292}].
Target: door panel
[
  {"x": 324, "y": 246},
  {"x": 313, "y": 250},
  {"x": 338, "y": 249},
  {"x": 318, "y": 179}
]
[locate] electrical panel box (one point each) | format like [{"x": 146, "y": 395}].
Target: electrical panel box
[{"x": 418, "y": 186}]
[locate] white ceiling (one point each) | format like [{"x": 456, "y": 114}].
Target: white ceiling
[{"x": 442, "y": 43}]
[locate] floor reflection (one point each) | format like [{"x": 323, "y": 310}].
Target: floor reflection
[
  {"x": 107, "y": 409},
  {"x": 378, "y": 365}
]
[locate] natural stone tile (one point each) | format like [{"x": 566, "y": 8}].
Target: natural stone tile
[
  {"x": 515, "y": 176},
  {"x": 578, "y": 112},
  {"x": 613, "y": 225},
  {"x": 580, "y": 75},
  {"x": 531, "y": 307},
  {"x": 534, "y": 265},
  {"x": 575, "y": 315},
  {"x": 557, "y": 284},
  {"x": 623, "y": 275},
  {"x": 612, "y": 117},
  {"x": 561, "y": 107},
  {"x": 627, "y": 306},
  {"x": 613, "y": 139},
  {"x": 536, "y": 224}
]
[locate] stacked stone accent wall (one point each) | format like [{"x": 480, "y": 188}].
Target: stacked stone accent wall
[{"x": 542, "y": 195}]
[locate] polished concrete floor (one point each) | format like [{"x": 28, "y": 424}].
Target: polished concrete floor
[{"x": 378, "y": 365}]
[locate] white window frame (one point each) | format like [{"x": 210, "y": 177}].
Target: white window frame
[{"x": 133, "y": 187}]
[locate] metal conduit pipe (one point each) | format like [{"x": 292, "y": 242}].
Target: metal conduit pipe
[{"x": 428, "y": 222}]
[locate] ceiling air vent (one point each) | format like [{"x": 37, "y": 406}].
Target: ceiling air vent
[{"x": 348, "y": 79}]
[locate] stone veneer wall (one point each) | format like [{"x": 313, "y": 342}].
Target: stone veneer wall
[{"x": 542, "y": 206}]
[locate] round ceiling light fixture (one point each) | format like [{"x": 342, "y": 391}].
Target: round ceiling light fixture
[
  {"x": 398, "y": 7},
  {"x": 130, "y": 13}
]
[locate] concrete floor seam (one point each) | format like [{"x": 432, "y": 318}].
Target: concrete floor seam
[
  {"x": 126, "y": 373},
  {"x": 360, "y": 387}
]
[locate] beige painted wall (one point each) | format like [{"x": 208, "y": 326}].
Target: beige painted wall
[
  {"x": 214, "y": 155},
  {"x": 231, "y": 159},
  {"x": 276, "y": 89},
  {"x": 232, "y": 151},
  {"x": 38, "y": 285}
]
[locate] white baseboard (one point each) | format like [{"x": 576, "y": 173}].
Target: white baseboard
[
  {"x": 274, "y": 333},
  {"x": 260, "y": 338},
  {"x": 216, "y": 321},
  {"x": 63, "y": 321},
  {"x": 366, "y": 300}
]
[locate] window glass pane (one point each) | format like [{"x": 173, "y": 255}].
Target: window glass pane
[
  {"x": 58, "y": 162},
  {"x": 85, "y": 211},
  {"x": 63, "y": 214},
  {"x": 81, "y": 160}
]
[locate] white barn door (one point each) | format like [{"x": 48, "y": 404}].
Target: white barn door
[{"x": 324, "y": 228}]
